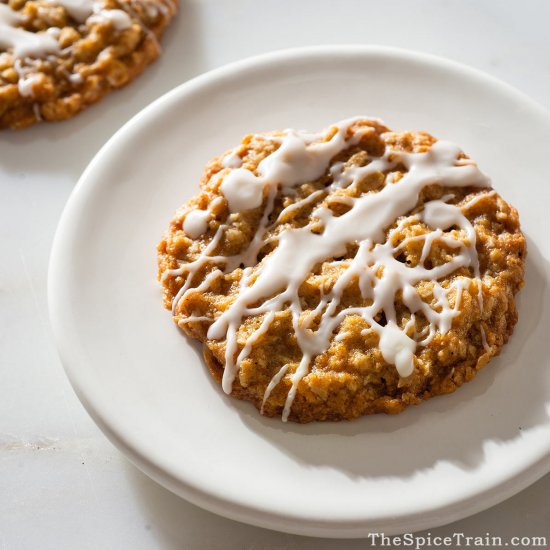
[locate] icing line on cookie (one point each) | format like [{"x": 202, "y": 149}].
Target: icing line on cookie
[
  {"x": 24, "y": 43},
  {"x": 40, "y": 44}
]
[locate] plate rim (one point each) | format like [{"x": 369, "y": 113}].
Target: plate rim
[{"x": 228, "y": 507}]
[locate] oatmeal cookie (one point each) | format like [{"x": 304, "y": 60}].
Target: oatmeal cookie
[
  {"x": 59, "y": 56},
  {"x": 348, "y": 272}
]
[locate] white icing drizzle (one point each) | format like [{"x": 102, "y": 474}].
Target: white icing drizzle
[
  {"x": 54, "y": 31},
  {"x": 41, "y": 44},
  {"x": 118, "y": 18},
  {"x": 76, "y": 78},
  {"x": 232, "y": 160},
  {"x": 92, "y": 12},
  {"x": 196, "y": 223},
  {"x": 79, "y": 10},
  {"x": 23, "y": 43},
  {"x": 25, "y": 84},
  {"x": 243, "y": 190},
  {"x": 300, "y": 158},
  {"x": 293, "y": 162}
]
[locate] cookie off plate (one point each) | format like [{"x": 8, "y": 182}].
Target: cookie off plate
[{"x": 145, "y": 383}]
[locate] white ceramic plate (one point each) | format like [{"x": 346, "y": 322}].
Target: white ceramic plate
[{"x": 144, "y": 382}]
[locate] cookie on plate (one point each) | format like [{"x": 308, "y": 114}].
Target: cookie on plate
[
  {"x": 347, "y": 272},
  {"x": 59, "y": 56}
]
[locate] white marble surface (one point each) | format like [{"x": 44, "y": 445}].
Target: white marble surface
[{"x": 62, "y": 485}]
